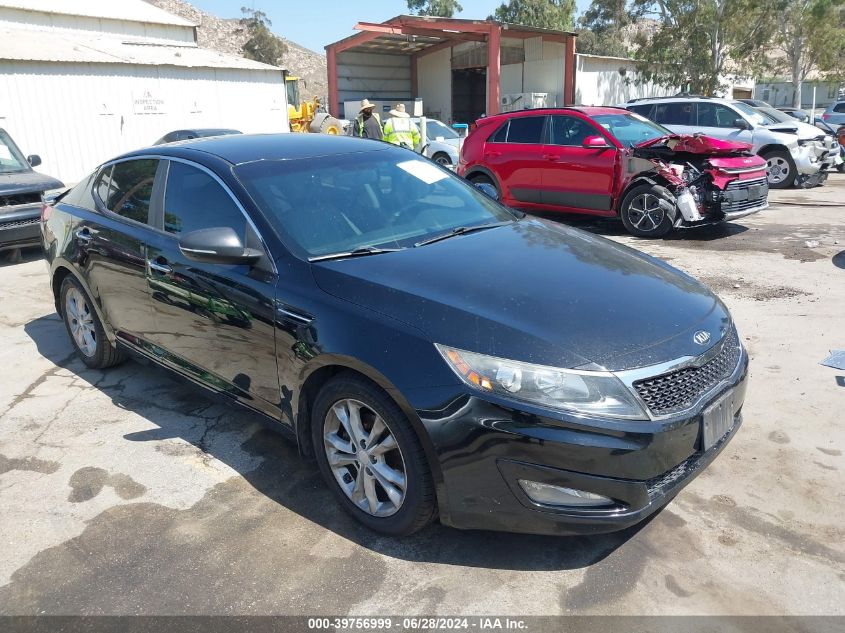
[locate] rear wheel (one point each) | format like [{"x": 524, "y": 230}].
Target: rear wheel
[
  {"x": 85, "y": 329},
  {"x": 371, "y": 458},
  {"x": 442, "y": 159},
  {"x": 645, "y": 212},
  {"x": 780, "y": 169}
]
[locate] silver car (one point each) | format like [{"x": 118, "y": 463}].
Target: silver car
[
  {"x": 835, "y": 114},
  {"x": 443, "y": 144},
  {"x": 792, "y": 160}
]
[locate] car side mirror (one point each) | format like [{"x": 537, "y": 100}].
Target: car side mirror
[
  {"x": 34, "y": 160},
  {"x": 218, "y": 245},
  {"x": 742, "y": 124},
  {"x": 487, "y": 189},
  {"x": 595, "y": 142}
]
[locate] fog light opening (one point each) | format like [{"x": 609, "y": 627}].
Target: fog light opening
[{"x": 550, "y": 495}]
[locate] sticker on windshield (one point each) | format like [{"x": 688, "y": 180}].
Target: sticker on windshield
[{"x": 423, "y": 170}]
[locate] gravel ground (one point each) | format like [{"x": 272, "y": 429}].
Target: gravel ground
[{"x": 123, "y": 492}]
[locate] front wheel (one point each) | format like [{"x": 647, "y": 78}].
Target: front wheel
[
  {"x": 85, "y": 329},
  {"x": 781, "y": 169},
  {"x": 646, "y": 211},
  {"x": 370, "y": 457},
  {"x": 442, "y": 159}
]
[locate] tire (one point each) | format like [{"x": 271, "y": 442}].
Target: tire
[
  {"x": 351, "y": 479},
  {"x": 441, "y": 158},
  {"x": 841, "y": 168},
  {"x": 481, "y": 178},
  {"x": 781, "y": 171},
  {"x": 331, "y": 125},
  {"x": 85, "y": 329},
  {"x": 644, "y": 211}
]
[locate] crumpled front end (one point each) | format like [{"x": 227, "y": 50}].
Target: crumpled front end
[{"x": 708, "y": 183}]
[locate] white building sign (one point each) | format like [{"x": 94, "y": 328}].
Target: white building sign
[{"x": 147, "y": 102}]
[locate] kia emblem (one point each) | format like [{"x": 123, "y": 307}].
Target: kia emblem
[{"x": 701, "y": 337}]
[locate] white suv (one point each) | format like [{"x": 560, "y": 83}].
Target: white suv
[{"x": 791, "y": 158}]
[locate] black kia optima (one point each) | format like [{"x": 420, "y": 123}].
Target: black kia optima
[{"x": 437, "y": 353}]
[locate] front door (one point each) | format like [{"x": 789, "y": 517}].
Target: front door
[
  {"x": 515, "y": 154},
  {"x": 575, "y": 177},
  {"x": 719, "y": 121},
  {"x": 214, "y": 322}
]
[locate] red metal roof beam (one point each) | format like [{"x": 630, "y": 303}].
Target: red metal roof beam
[{"x": 369, "y": 27}]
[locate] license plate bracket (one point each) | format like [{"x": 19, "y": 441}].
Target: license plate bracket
[{"x": 717, "y": 420}]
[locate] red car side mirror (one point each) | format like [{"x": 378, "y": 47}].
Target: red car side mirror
[{"x": 596, "y": 142}]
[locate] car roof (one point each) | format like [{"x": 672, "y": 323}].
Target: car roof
[
  {"x": 585, "y": 110},
  {"x": 244, "y": 148}
]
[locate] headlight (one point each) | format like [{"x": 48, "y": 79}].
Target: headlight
[{"x": 585, "y": 392}]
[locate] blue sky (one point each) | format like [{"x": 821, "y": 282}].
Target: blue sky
[{"x": 331, "y": 20}]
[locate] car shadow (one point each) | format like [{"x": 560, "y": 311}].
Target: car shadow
[
  {"x": 15, "y": 256},
  {"x": 613, "y": 227},
  {"x": 240, "y": 439}
]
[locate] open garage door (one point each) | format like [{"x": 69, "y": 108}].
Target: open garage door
[{"x": 469, "y": 94}]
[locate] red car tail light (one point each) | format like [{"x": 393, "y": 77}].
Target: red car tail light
[{"x": 46, "y": 212}]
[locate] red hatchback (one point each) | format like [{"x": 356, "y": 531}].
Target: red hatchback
[{"x": 612, "y": 162}]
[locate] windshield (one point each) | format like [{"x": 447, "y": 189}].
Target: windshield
[
  {"x": 437, "y": 128},
  {"x": 11, "y": 159},
  {"x": 752, "y": 113},
  {"x": 378, "y": 199},
  {"x": 777, "y": 115},
  {"x": 629, "y": 128}
]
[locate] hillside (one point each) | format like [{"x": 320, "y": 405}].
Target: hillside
[{"x": 228, "y": 36}]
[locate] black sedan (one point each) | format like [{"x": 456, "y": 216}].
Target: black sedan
[{"x": 435, "y": 352}]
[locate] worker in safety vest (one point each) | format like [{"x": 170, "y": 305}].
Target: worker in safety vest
[
  {"x": 400, "y": 130},
  {"x": 367, "y": 123}
]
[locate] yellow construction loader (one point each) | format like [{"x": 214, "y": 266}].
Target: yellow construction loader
[{"x": 308, "y": 116}]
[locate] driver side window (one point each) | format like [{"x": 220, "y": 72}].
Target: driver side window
[{"x": 195, "y": 200}]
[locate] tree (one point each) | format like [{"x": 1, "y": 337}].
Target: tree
[
  {"x": 810, "y": 36},
  {"x": 262, "y": 45},
  {"x": 603, "y": 23},
  {"x": 698, "y": 42},
  {"x": 547, "y": 14},
  {"x": 439, "y": 8}
]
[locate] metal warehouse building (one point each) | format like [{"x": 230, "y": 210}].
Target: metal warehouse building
[
  {"x": 85, "y": 80},
  {"x": 460, "y": 69}
]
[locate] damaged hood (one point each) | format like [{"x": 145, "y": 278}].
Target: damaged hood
[
  {"x": 698, "y": 144},
  {"x": 537, "y": 292}
]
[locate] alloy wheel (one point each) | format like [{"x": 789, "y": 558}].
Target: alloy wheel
[
  {"x": 778, "y": 169},
  {"x": 81, "y": 322},
  {"x": 645, "y": 212},
  {"x": 365, "y": 458},
  {"x": 443, "y": 160}
]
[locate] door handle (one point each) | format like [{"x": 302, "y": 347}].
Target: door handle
[
  {"x": 551, "y": 156},
  {"x": 492, "y": 154},
  {"x": 164, "y": 269},
  {"x": 85, "y": 236}
]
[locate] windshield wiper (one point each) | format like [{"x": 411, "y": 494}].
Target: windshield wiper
[
  {"x": 361, "y": 251},
  {"x": 461, "y": 230}
]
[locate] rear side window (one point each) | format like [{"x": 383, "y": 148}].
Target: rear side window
[
  {"x": 526, "y": 129},
  {"x": 81, "y": 195},
  {"x": 839, "y": 107},
  {"x": 126, "y": 188},
  {"x": 642, "y": 109},
  {"x": 501, "y": 135},
  {"x": 678, "y": 113},
  {"x": 716, "y": 115},
  {"x": 195, "y": 200}
]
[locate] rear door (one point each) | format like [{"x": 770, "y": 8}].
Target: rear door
[
  {"x": 111, "y": 244},
  {"x": 515, "y": 155},
  {"x": 575, "y": 177},
  {"x": 678, "y": 116},
  {"x": 214, "y": 322}
]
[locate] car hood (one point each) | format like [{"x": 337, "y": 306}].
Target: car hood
[
  {"x": 26, "y": 182},
  {"x": 538, "y": 292},
  {"x": 698, "y": 144}
]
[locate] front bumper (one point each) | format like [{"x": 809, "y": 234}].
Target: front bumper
[
  {"x": 19, "y": 226},
  {"x": 485, "y": 447}
]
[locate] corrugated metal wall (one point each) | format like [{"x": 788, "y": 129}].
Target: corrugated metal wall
[
  {"x": 373, "y": 76},
  {"x": 76, "y": 116},
  {"x": 612, "y": 81}
]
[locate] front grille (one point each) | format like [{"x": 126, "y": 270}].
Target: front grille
[
  {"x": 736, "y": 196},
  {"x": 13, "y": 224},
  {"x": 18, "y": 199},
  {"x": 680, "y": 389}
]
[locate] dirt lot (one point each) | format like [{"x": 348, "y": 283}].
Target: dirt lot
[{"x": 122, "y": 492}]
